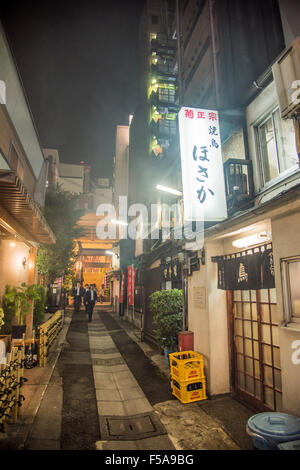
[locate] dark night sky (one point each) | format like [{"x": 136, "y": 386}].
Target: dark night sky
[{"x": 79, "y": 64}]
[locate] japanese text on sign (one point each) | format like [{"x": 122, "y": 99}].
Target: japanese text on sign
[{"x": 202, "y": 166}]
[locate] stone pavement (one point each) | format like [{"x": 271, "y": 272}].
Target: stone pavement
[{"x": 107, "y": 390}]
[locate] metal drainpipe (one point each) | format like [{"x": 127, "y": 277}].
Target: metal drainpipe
[
  {"x": 214, "y": 50},
  {"x": 180, "y": 98},
  {"x": 179, "y": 50},
  {"x": 185, "y": 294}
]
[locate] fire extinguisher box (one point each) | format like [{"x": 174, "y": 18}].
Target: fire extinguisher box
[{"x": 186, "y": 341}]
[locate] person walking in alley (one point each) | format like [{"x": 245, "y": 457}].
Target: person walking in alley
[
  {"x": 85, "y": 297},
  {"x": 90, "y": 300},
  {"x": 78, "y": 292}
]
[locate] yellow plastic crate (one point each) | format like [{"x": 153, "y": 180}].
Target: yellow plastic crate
[
  {"x": 186, "y": 365},
  {"x": 188, "y": 392}
]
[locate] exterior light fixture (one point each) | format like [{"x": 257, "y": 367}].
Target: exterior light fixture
[
  {"x": 118, "y": 222},
  {"x": 169, "y": 190},
  {"x": 12, "y": 244},
  {"x": 252, "y": 240}
]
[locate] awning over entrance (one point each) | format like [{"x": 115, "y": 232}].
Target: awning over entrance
[{"x": 18, "y": 202}]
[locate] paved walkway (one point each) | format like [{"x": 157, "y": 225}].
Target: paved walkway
[{"x": 110, "y": 391}]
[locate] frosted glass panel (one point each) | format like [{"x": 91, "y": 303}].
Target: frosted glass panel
[{"x": 294, "y": 275}]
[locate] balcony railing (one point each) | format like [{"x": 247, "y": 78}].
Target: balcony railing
[
  {"x": 163, "y": 45},
  {"x": 239, "y": 186},
  {"x": 164, "y": 129},
  {"x": 164, "y": 70}
]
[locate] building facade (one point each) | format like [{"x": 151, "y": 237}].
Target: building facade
[
  {"x": 245, "y": 325},
  {"x": 23, "y": 175}
]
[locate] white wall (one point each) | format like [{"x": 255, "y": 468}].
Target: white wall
[
  {"x": 286, "y": 243},
  {"x": 208, "y": 321},
  {"x": 17, "y": 107},
  {"x": 12, "y": 271},
  {"x": 74, "y": 185},
  {"x": 102, "y": 196},
  {"x": 290, "y": 14},
  {"x": 260, "y": 107}
]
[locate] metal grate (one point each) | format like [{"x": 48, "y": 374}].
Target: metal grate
[{"x": 130, "y": 427}]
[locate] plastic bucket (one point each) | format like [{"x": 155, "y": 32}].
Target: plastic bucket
[{"x": 270, "y": 429}]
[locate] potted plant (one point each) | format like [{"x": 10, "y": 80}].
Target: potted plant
[
  {"x": 20, "y": 299},
  {"x": 39, "y": 305},
  {"x": 166, "y": 308}
]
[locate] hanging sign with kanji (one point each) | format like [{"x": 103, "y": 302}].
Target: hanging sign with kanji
[
  {"x": 122, "y": 288},
  {"x": 202, "y": 166},
  {"x": 131, "y": 282}
]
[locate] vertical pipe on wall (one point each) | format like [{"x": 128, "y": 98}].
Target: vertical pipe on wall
[
  {"x": 212, "y": 18},
  {"x": 179, "y": 50}
]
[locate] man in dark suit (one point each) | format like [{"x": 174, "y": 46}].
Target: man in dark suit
[
  {"x": 90, "y": 299},
  {"x": 78, "y": 292}
]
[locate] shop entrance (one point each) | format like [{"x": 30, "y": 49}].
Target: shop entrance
[{"x": 254, "y": 348}]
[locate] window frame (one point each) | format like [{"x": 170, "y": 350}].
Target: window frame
[
  {"x": 2, "y": 155},
  {"x": 289, "y": 319},
  {"x": 259, "y": 151}
]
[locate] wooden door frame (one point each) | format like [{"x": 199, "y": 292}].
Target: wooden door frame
[{"x": 243, "y": 396}]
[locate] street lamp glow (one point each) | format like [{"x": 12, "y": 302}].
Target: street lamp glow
[
  {"x": 169, "y": 190},
  {"x": 251, "y": 240},
  {"x": 118, "y": 222}
]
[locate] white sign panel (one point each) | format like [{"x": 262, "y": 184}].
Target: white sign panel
[{"x": 202, "y": 166}]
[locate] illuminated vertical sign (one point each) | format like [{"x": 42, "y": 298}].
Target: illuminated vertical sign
[
  {"x": 131, "y": 281},
  {"x": 122, "y": 288},
  {"x": 202, "y": 166}
]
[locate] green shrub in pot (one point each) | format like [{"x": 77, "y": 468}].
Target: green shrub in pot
[{"x": 166, "y": 308}]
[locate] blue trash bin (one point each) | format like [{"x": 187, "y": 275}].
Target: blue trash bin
[{"x": 270, "y": 429}]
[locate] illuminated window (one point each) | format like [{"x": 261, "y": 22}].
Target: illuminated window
[
  {"x": 166, "y": 95},
  {"x": 291, "y": 292},
  {"x": 276, "y": 144}
]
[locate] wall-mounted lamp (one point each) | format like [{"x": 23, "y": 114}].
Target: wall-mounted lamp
[
  {"x": 24, "y": 263},
  {"x": 254, "y": 239},
  {"x": 13, "y": 243}
]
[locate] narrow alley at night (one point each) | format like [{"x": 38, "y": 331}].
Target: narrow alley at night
[{"x": 149, "y": 229}]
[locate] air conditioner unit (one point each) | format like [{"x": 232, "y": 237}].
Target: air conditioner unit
[{"x": 286, "y": 72}]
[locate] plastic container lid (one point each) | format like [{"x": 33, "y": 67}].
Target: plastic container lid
[
  {"x": 275, "y": 425},
  {"x": 291, "y": 445}
]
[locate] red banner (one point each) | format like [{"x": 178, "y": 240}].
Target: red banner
[
  {"x": 131, "y": 281},
  {"x": 122, "y": 288}
]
